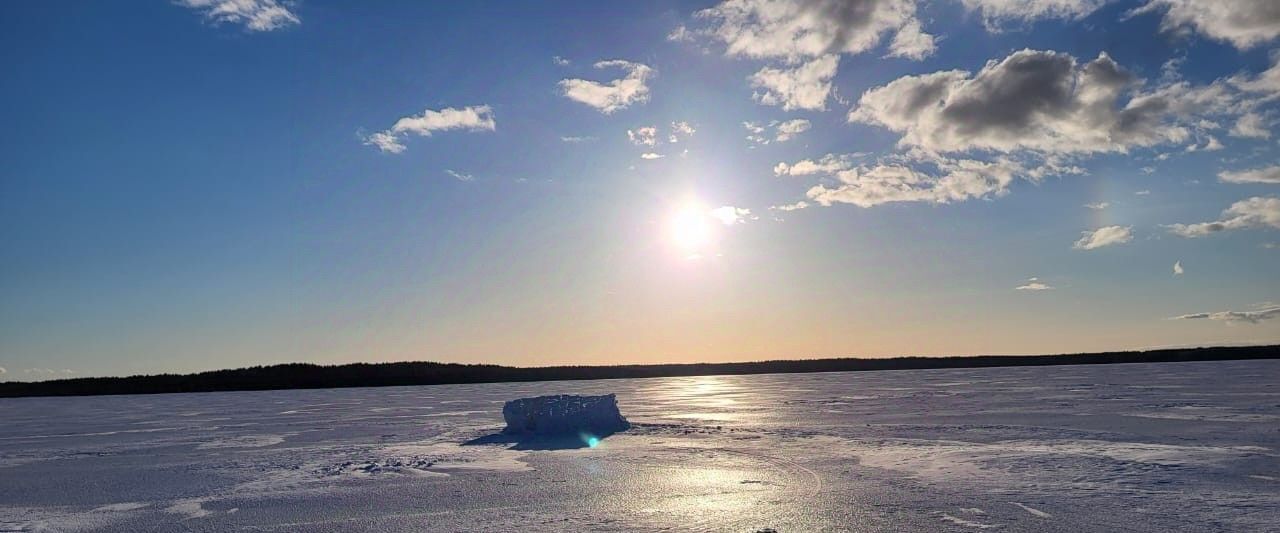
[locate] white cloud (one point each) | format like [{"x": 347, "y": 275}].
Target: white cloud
[
  {"x": 1143, "y": 192},
  {"x": 386, "y": 141},
  {"x": 2, "y": 370},
  {"x": 255, "y": 15},
  {"x": 790, "y": 207},
  {"x": 912, "y": 42},
  {"x": 614, "y": 95},
  {"x": 680, "y": 34},
  {"x": 1251, "y": 125},
  {"x": 472, "y": 118},
  {"x": 459, "y": 175},
  {"x": 645, "y": 136},
  {"x": 1266, "y": 82},
  {"x": 782, "y": 131},
  {"x": 793, "y": 30},
  {"x": 954, "y": 180},
  {"x": 804, "y": 87},
  {"x": 1104, "y": 236},
  {"x": 1243, "y": 23},
  {"x": 560, "y": 61},
  {"x": 1034, "y": 284},
  {"x": 650, "y": 155},
  {"x": 827, "y": 164},
  {"x": 1098, "y": 206},
  {"x": 1256, "y": 175},
  {"x": 1040, "y": 101},
  {"x": 576, "y": 139},
  {"x": 789, "y": 129},
  {"x": 1251, "y": 317},
  {"x": 729, "y": 215},
  {"x": 1177, "y": 268},
  {"x": 680, "y": 130},
  {"x": 1256, "y": 212},
  {"x": 997, "y": 12}
]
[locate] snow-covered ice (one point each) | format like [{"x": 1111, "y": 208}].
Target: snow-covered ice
[{"x": 1141, "y": 447}]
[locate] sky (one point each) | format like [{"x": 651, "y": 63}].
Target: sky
[{"x": 205, "y": 184}]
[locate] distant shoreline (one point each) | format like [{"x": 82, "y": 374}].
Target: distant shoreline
[{"x": 310, "y": 376}]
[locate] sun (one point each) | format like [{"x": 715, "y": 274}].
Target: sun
[{"x": 689, "y": 228}]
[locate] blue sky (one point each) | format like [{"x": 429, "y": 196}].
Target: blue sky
[{"x": 218, "y": 183}]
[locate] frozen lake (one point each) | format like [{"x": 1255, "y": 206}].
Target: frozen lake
[{"x": 1137, "y": 447}]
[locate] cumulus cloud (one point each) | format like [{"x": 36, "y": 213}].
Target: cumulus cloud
[
  {"x": 1177, "y": 268},
  {"x": 1256, "y": 212},
  {"x": 651, "y": 155},
  {"x": 254, "y": 15},
  {"x": 1251, "y": 317},
  {"x": 560, "y": 61},
  {"x": 1104, "y": 236},
  {"x": 794, "y": 30},
  {"x": 459, "y": 175},
  {"x": 1097, "y": 206},
  {"x": 611, "y": 96},
  {"x": 730, "y": 215},
  {"x": 646, "y": 136},
  {"x": 1034, "y": 284},
  {"x": 1040, "y": 101},
  {"x": 472, "y": 118},
  {"x": 997, "y": 12},
  {"x": 804, "y": 87},
  {"x": 1256, "y": 175},
  {"x": 1242, "y": 23}
]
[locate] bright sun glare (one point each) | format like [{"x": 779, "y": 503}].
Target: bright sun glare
[{"x": 690, "y": 228}]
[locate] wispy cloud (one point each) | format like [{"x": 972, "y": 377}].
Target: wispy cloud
[
  {"x": 783, "y": 131},
  {"x": 1104, "y": 236},
  {"x": 472, "y": 118},
  {"x": 1251, "y": 317},
  {"x": 459, "y": 175},
  {"x": 1097, "y": 206},
  {"x": 254, "y": 15},
  {"x": 651, "y": 155},
  {"x": 1034, "y": 284},
  {"x": 576, "y": 139},
  {"x": 1242, "y": 23},
  {"x": 1256, "y": 212},
  {"x": 614, "y": 95},
  {"x": 790, "y": 207},
  {"x": 1257, "y": 175},
  {"x": 996, "y": 13}
]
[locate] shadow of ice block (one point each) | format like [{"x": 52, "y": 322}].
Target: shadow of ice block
[{"x": 564, "y": 414}]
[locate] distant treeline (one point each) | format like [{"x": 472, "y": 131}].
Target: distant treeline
[{"x": 309, "y": 376}]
